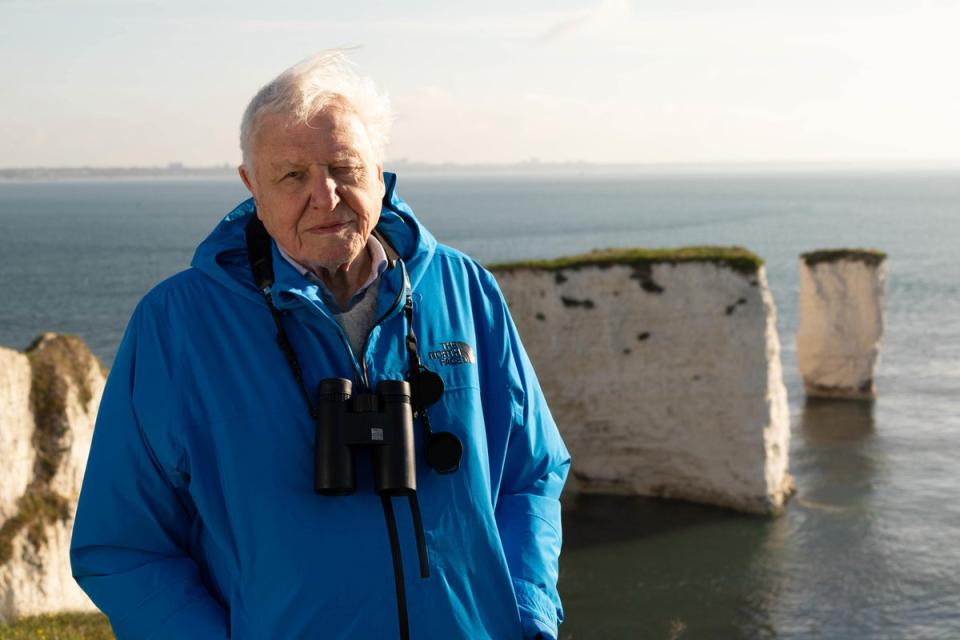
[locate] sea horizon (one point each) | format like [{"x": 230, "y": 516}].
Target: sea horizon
[{"x": 527, "y": 169}]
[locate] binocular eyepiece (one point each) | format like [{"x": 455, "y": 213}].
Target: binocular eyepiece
[{"x": 382, "y": 421}]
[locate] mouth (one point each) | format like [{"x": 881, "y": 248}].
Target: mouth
[{"x": 333, "y": 227}]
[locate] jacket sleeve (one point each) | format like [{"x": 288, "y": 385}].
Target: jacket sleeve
[
  {"x": 528, "y": 503},
  {"x": 129, "y": 550}
]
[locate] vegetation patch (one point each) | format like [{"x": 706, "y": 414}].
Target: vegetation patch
[
  {"x": 871, "y": 257},
  {"x": 736, "y": 258},
  {"x": 57, "y": 362},
  {"x": 62, "y": 626},
  {"x": 36, "y": 509}
]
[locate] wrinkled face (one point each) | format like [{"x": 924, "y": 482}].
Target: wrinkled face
[{"x": 317, "y": 186}]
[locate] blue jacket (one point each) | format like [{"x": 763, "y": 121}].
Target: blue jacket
[{"x": 197, "y": 517}]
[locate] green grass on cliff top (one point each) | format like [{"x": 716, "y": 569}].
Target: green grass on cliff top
[
  {"x": 867, "y": 256},
  {"x": 62, "y": 626},
  {"x": 736, "y": 258}
]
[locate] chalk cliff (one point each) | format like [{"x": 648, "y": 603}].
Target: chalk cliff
[
  {"x": 48, "y": 402},
  {"x": 841, "y": 322},
  {"x": 662, "y": 369}
]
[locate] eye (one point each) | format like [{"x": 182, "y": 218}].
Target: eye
[
  {"x": 293, "y": 174},
  {"x": 346, "y": 170}
]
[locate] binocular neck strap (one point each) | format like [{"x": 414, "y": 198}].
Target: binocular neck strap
[
  {"x": 261, "y": 263},
  {"x": 411, "y": 337}
]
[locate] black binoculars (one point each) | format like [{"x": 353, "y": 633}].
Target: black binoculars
[{"x": 381, "y": 420}]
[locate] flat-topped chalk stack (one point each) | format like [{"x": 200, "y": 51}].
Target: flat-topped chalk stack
[
  {"x": 841, "y": 322},
  {"x": 48, "y": 400},
  {"x": 662, "y": 369}
]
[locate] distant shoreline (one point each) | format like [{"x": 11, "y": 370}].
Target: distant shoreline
[{"x": 176, "y": 171}]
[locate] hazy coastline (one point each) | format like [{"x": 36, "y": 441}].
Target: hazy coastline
[{"x": 179, "y": 171}]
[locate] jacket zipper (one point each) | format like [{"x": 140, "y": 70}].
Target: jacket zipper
[
  {"x": 359, "y": 361},
  {"x": 397, "y": 304}
]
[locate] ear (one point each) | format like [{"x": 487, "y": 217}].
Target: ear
[
  {"x": 383, "y": 185},
  {"x": 247, "y": 180}
]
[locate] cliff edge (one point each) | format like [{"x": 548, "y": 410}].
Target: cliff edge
[{"x": 662, "y": 369}]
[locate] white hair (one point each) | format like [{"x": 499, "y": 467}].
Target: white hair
[{"x": 308, "y": 87}]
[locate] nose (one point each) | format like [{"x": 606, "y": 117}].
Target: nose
[{"x": 323, "y": 192}]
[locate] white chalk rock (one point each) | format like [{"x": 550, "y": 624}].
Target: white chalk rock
[
  {"x": 48, "y": 403},
  {"x": 16, "y": 430},
  {"x": 662, "y": 370},
  {"x": 841, "y": 322}
]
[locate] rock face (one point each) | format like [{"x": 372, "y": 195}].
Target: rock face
[
  {"x": 841, "y": 322},
  {"x": 662, "y": 369},
  {"x": 48, "y": 402}
]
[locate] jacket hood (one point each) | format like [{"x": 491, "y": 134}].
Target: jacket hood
[{"x": 223, "y": 254}]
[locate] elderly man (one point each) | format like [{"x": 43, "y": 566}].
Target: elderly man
[{"x": 327, "y": 427}]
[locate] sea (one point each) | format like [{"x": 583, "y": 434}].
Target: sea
[{"x": 870, "y": 545}]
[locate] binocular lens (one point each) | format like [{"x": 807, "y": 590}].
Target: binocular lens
[
  {"x": 394, "y": 390},
  {"x": 334, "y": 387}
]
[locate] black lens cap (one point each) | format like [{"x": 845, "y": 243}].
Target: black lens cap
[
  {"x": 442, "y": 451},
  {"x": 427, "y": 388}
]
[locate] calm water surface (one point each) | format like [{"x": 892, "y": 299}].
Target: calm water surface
[{"x": 868, "y": 548}]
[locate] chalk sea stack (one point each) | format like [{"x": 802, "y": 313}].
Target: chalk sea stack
[
  {"x": 49, "y": 396},
  {"x": 662, "y": 369},
  {"x": 841, "y": 322}
]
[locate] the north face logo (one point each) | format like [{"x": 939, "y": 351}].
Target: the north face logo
[{"x": 453, "y": 353}]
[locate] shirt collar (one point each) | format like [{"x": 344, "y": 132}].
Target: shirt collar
[{"x": 378, "y": 260}]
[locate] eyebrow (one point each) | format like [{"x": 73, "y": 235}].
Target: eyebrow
[
  {"x": 286, "y": 164},
  {"x": 340, "y": 156}
]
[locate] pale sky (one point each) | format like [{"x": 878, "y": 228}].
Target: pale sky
[{"x": 143, "y": 82}]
